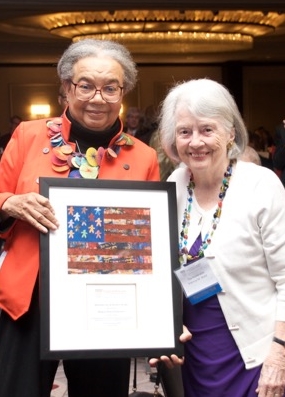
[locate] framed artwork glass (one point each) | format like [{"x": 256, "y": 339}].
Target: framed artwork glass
[{"x": 107, "y": 283}]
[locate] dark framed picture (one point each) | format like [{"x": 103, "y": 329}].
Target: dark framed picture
[{"x": 107, "y": 283}]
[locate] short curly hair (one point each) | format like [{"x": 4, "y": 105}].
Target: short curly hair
[{"x": 91, "y": 47}]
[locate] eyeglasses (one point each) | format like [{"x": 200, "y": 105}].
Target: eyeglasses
[{"x": 110, "y": 93}]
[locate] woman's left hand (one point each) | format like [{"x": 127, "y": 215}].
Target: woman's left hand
[
  {"x": 173, "y": 360},
  {"x": 272, "y": 378}
]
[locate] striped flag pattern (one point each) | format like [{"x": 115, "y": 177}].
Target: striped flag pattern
[{"x": 106, "y": 240}]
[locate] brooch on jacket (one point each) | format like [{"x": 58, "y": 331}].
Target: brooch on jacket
[{"x": 81, "y": 165}]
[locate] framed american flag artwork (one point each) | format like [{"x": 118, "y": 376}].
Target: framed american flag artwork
[{"x": 107, "y": 284}]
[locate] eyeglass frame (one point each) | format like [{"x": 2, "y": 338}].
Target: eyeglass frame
[{"x": 97, "y": 90}]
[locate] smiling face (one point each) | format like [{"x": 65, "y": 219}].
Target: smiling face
[
  {"x": 201, "y": 142},
  {"x": 95, "y": 114}
]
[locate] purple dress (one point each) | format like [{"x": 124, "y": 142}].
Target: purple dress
[{"x": 213, "y": 365}]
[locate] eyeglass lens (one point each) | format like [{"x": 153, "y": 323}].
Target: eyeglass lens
[{"x": 109, "y": 93}]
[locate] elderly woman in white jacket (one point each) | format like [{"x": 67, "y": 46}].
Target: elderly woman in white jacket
[{"x": 231, "y": 219}]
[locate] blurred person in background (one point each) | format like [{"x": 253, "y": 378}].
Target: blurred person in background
[
  {"x": 149, "y": 124},
  {"x": 4, "y": 139},
  {"x": 278, "y": 157},
  {"x": 133, "y": 121}
]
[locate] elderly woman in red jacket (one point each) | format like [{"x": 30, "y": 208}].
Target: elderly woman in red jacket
[{"x": 95, "y": 75}]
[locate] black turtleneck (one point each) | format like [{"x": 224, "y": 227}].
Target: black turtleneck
[{"x": 85, "y": 138}]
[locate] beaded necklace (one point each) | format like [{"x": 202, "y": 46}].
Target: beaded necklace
[
  {"x": 184, "y": 256},
  {"x": 81, "y": 165}
]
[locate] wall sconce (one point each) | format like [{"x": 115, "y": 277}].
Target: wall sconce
[{"x": 40, "y": 110}]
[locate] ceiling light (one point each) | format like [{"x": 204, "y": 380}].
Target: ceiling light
[
  {"x": 179, "y": 31},
  {"x": 154, "y": 32}
]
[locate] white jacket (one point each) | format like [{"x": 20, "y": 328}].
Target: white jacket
[{"x": 247, "y": 253}]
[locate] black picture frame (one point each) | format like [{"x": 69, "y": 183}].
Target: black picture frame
[{"x": 107, "y": 283}]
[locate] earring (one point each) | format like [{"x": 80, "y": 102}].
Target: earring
[{"x": 230, "y": 145}]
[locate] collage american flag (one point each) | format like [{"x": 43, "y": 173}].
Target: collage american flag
[{"x": 109, "y": 240}]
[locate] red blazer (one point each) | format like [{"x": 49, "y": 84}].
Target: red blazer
[{"x": 26, "y": 158}]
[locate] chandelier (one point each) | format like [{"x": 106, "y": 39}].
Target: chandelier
[{"x": 166, "y": 31}]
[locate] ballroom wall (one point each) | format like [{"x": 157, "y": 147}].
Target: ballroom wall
[{"x": 259, "y": 90}]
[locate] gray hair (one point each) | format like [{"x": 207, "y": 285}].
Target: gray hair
[
  {"x": 204, "y": 98},
  {"x": 91, "y": 47}
]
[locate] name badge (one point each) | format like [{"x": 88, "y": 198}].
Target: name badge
[{"x": 198, "y": 280}]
